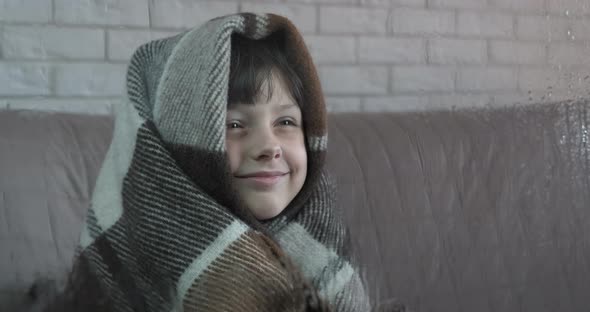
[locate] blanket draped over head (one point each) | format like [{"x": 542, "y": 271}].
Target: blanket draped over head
[{"x": 166, "y": 231}]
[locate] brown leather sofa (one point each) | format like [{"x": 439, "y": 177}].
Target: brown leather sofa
[{"x": 475, "y": 210}]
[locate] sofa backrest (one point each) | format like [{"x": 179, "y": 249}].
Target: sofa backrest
[
  {"x": 450, "y": 211},
  {"x": 470, "y": 211}
]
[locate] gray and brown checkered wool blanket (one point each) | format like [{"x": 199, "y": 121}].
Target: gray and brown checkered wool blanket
[{"x": 166, "y": 233}]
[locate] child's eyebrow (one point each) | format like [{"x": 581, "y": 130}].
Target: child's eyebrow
[{"x": 284, "y": 107}]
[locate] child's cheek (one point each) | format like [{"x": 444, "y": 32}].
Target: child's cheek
[{"x": 233, "y": 154}]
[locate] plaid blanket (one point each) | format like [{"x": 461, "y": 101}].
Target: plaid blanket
[{"x": 165, "y": 231}]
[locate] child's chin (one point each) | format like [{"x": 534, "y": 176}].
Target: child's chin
[{"x": 266, "y": 211}]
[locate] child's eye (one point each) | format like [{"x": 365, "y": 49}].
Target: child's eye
[
  {"x": 233, "y": 125},
  {"x": 287, "y": 122}
]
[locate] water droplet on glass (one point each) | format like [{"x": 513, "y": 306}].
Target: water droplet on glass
[
  {"x": 567, "y": 12},
  {"x": 549, "y": 94}
]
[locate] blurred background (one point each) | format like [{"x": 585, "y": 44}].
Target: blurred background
[{"x": 372, "y": 55}]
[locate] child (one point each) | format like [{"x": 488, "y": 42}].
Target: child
[{"x": 212, "y": 196}]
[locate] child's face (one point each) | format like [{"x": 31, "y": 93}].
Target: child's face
[{"x": 266, "y": 149}]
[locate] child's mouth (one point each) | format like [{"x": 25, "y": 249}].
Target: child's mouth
[{"x": 263, "y": 180}]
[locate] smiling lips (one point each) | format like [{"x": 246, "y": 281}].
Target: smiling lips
[{"x": 263, "y": 178}]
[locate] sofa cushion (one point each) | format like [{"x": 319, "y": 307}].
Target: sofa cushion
[{"x": 49, "y": 163}]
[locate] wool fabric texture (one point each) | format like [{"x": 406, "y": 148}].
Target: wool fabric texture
[{"x": 165, "y": 231}]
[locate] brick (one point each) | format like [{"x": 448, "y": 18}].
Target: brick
[
  {"x": 461, "y": 4},
  {"x": 24, "y": 79},
  {"x": 389, "y": 3},
  {"x": 25, "y": 10},
  {"x": 549, "y": 79},
  {"x": 188, "y": 13},
  {"x": 487, "y": 79},
  {"x": 102, "y": 12},
  {"x": 580, "y": 29},
  {"x": 392, "y": 50},
  {"x": 351, "y": 20},
  {"x": 568, "y": 54},
  {"x": 458, "y": 101},
  {"x": 541, "y": 96},
  {"x": 395, "y": 104},
  {"x": 99, "y": 79},
  {"x": 122, "y": 43},
  {"x": 528, "y": 6},
  {"x": 80, "y": 106},
  {"x": 343, "y": 104},
  {"x": 541, "y": 28},
  {"x": 512, "y": 98},
  {"x": 321, "y": 1},
  {"x": 514, "y": 52},
  {"x": 303, "y": 16},
  {"x": 422, "y": 78},
  {"x": 50, "y": 42},
  {"x": 331, "y": 49},
  {"x": 571, "y": 95},
  {"x": 413, "y": 21},
  {"x": 457, "y": 51},
  {"x": 354, "y": 80},
  {"x": 569, "y": 7},
  {"x": 485, "y": 24}
]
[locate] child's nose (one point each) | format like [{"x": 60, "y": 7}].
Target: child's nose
[
  {"x": 265, "y": 145},
  {"x": 269, "y": 151}
]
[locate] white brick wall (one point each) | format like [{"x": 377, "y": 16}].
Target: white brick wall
[
  {"x": 25, "y": 11},
  {"x": 524, "y": 6},
  {"x": 392, "y": 50},
  {"x": 372, "y": 55},
  {"x": 423, "y": 78},
  {"x": 569, "y": 54},
  {"x": 102, "y": 12},
  {"x": 354, "y": 80},
  {"x": 90, "y": 79},
  {"x": 395, "y": 103},
  {"x": 352, "y": 20},
  {"x": 457, "y": 51},
  {"x": 460, "y": 100},
  {"x": 487, "y": 79},
  {"x": 515, "y": 52},
  {"x": 575, "y": 81},
  {"x": 579, "y": 29},
  {"x": 187, "y": 13},
  {"x": 485, "y": 24},
  {"x": 51, "y": 42},
  {"x": 571, "y": 7},
  {"x": 24, "y": 79},
  {"x": 541, "y": 28},
  {"x": 419, "y": 22},
  {"x": 386, "y": 3},
  {"x": 332, "y": 49},
  {"x": 460, "y": 4}
]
